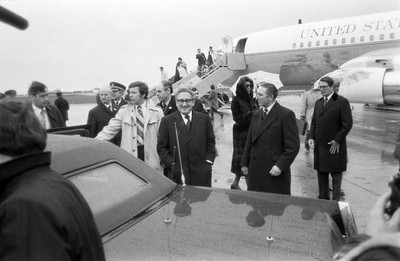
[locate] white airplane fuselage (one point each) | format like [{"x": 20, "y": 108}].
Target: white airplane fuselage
[{"x": 302, "y": 52}]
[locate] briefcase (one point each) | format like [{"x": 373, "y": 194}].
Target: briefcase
[{"x": 302, "y": 126}]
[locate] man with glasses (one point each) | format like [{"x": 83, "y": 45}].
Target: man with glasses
[
  {"x": 48, "y": 114},
  {"x": 190, "y": 160},
  {"x": 331, "y": 122}
]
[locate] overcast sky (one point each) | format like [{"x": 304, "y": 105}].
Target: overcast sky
[{"x": 84, "y": 44}]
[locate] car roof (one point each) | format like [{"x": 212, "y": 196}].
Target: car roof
[
  {"x": 73, "y": 156},
  {"x": 216, "y": 224}
]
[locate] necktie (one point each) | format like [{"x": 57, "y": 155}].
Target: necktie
[
  {"x": 325, "y": 101},
  {"x": 43, "y": 117},
  {"x": 163, "y": 106},
  {"x": 140, "y": 126},
  {"x": 265, "y": 112},
  {"x": 188, "y": 123}
]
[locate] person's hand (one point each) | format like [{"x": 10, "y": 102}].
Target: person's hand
[
  {"x": 379, "y": 222},
  {"x": 311, "y": 143},
  {"x": 334, "y": 147},
  {"x": 275, "y": 171},
  {"x": 245, "y": 170}
]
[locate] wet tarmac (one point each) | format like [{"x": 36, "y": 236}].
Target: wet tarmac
[{"x": 370, "y": 148}]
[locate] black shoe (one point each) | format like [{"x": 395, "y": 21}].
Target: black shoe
[
  {"x": 342, "y": 193},
  {"x": 235, "y": 187}
]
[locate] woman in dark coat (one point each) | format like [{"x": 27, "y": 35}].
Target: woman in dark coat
[{"x": 242, "y": 107}]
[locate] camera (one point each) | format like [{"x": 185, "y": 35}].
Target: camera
[{"x": 394, "y": 200}]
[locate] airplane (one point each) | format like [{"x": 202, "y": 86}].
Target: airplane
[{"x": 301, "y": 52}]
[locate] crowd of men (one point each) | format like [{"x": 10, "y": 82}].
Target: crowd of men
[{"x": 176, "y": 138}]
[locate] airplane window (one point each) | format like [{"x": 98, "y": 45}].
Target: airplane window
[
  {"x": 343, "y": 40},
  {"x": 334, "y": 41},
  {"x": 391, "y": 36},
  {"x": 309, "y": 44},
  {"x": 353, "y": 39},
  {"x": 371, "y": 37},
  {"x": 326, "y": 42},
  {"x": 362, "y": 39},
  {"x": 381, "y": 37},
  {"x": 301, "y": 45},
  {"x": 294, "y": 46},
  {"x": 317, "y": 43}
]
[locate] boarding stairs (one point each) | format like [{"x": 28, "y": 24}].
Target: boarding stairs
[{"x": 221, "y": 70}]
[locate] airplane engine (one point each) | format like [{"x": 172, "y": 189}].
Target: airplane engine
[{"x": 369, "y": 85}]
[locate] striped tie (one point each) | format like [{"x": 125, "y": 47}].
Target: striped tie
[
  {"x": 43, "y": 117},
  {"x": 140, "y": 126}
]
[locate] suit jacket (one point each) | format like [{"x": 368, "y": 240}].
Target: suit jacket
[
  {"x": 170, "y": 108},
  {"x": 117, "y": 107},
  {"x": 99, "y": 117},
  {"x": 196, "y": 147},
  {"x": 272, "y": 140},
  {"x": 333, "y": 122},
  {"x": 55, "y": 117}
]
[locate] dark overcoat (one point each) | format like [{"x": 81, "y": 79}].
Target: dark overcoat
[
  {"x": 196, "y": 148},
  {"x": 43, "y": 216},
  {"x": 170, "y": 108},
  {"x": 55, "y": 117},
  {"x": 242, "y": 108},
  {"x": 332, "y": 122},
  {"x": 99, "y": 117},
  {"x": 63, "y": 106},
  {"x": 272, "y": 140}
]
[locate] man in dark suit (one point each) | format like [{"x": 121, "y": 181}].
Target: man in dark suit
[
  {"x": 62, "y": 105},
  {"x": 167, "y": 101},
  {"x": 118, "y": 91},
  {"x": 100, "y": 115},
  {"x": 272, "y": 144},
  {"x": 48, "y": 114},
  {"x": 189, "y": 161},
  {"x": 331, "y": 122}
]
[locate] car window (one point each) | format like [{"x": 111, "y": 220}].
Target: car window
[{"x": 106, "y": 188}]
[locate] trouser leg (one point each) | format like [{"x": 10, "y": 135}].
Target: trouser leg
[
  {"x": 336, "y": 185},
  {"x": 323, "y": 185}
]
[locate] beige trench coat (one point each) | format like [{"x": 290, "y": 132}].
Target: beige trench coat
[{"x": 125, "y": 120}]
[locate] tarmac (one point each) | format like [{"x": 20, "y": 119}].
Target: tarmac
[{"x": 370, "y": 151}]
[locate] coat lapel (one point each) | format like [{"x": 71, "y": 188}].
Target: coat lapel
[
  {"x": 180, "y": 124},
  {"x": 329, "y": 104},
  {"x": 263, "y": 124}
]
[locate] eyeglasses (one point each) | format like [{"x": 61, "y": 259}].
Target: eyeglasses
[
  {"x": 324, "y": 86},
  {"x": 181, "y": 101}
]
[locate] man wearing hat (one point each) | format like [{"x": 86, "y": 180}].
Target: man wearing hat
[
  {"x": 62, "y": 105},
  {"x": 118, "y": 91}
]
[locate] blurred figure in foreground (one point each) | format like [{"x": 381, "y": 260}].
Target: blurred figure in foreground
[
  {"x": 49, "y": 115},
  {"x": 10, "y": 94},
  {"x": 382, "y": 238},
  {"x": 242, "y": 108},
  {"x": 43, "y": 216}
]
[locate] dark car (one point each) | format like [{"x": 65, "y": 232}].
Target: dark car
[{"x": 141, "y": 215}]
